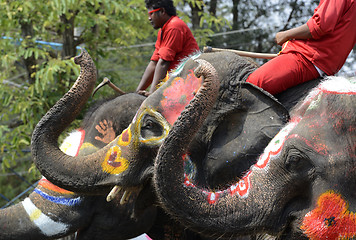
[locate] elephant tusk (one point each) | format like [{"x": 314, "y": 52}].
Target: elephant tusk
[
  {"x": 242, "y": 53},
  {"x": 125, "y": 197},
  {"x": 108, "y": 82},
  {"x": 114, "y": 191}
]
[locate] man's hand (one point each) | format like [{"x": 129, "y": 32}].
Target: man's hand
[
  {"x": 281, "y": 38},
  {"x": 143, "y": 93},
  {"x": 301, "y": 32}
]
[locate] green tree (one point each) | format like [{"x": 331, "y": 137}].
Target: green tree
[
  {"x": 38, "y": 42},
  {"x": 35, "y": 73}
]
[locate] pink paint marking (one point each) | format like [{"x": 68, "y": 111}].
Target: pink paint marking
[{"x": 178, "y": 95}]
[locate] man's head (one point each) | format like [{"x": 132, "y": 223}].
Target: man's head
[{"x": 159, "y": 11}]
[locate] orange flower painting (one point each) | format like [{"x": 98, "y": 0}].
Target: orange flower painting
[{"x": 330, "y": 220}]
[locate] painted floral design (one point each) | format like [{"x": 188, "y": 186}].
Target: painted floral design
[
  {"x": 178, "y": 95},
  {"x": 330, "y": 220}
]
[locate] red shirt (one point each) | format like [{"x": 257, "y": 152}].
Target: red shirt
[
  {"x": 333, "y": 30},
  {"x": 174, "y": 42}
]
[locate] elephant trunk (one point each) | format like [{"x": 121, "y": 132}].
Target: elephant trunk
[
  {"x": 215, "y": 214},
  {"x": 61, "y": 169},
  {"x": 34, "y": 218},
  {"x": 15, "y": 224}
]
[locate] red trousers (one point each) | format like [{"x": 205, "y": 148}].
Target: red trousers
[{"x": 282, "y": 72}]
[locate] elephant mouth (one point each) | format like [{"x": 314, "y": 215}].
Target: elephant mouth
[{"x": 126, "y": 191}]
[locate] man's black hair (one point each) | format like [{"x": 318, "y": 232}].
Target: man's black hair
[{"x": 166, "y": 4}]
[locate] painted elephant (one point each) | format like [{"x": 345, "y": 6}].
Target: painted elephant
[
  {"x": 242, "y": 121},
  {"x": 51, "y": 212},
  {"x": 301, "y": 187}
]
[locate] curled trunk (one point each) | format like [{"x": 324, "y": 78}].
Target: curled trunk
[
  {"x": 239, "y": 210},
  {"x": 61, "y": 169}
]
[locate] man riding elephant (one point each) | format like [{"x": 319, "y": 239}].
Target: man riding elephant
[
  {"x": 317, "y": 48},
  {"x": 174, "y": 42},
  {"x": 301, "y": 187}
]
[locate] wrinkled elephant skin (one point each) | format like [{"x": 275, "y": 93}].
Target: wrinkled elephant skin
[
  {"x": 243, "y": 119},
  {"x": 50, "y": 211},
  {"x": 301, "y": 187}
]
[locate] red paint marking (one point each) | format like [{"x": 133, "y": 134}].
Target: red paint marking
[
  {"x": 242, "y": 187},
  {"x": 125, "y": 136},
  {"x": 336, "y": 92},
  {"x": 50, "y": 186},
  {"x": 112, "y": 158},
  {"x": 320, "y": 148},
  {"x": 187, "y": 182},
  {"x": 330, "y": 220},
  {"x": 213, "y": 197},
  {"x": 82, "y": 132}
]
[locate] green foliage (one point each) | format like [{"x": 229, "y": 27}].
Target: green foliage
[{"x": 33, "y": 75}]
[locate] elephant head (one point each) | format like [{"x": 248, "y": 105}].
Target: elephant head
[
  {"x": 51, "y": 212},
  {"x": 302, "y": 186},
  {"x": 114, "y": 163},
  {"x": 128, "y": 160}
]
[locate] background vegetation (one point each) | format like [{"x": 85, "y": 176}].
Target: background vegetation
[{"x": 39, "y": 39}]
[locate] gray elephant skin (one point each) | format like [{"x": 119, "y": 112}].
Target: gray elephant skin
[
  {"x": 242, "y": 121},
  {"x": 51, "y": 212},
  {"x": 301, "y": 187}
]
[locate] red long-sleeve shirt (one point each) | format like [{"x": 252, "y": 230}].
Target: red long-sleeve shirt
[
  {"x": 174, "y": 42},
  {"x": 333, "y": 30}
]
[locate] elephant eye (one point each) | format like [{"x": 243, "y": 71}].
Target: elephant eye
[
  {"x": 150, "y": 127},
  {"x": 296, "y": 161}
]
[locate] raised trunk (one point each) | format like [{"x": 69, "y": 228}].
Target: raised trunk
[
  {"x": 61, "y": 169},
  {"x": 238, "y": 210}
]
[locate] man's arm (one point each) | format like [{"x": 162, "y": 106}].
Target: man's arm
[
  {"x": 301, "y": 32},
  {"x": 147, "y": 76},
  {"x": 159, "y": 73}
]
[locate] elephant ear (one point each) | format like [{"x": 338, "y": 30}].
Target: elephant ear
[{"x": 239, "y": 134}]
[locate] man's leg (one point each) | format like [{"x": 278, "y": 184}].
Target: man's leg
[{"x": 283, "y": 72}]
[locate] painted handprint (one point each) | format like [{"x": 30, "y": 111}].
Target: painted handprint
[{"x": 106, "y": 129}]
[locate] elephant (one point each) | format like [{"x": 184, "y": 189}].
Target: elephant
[
  {"x": 300, "y": 187},
  {"x": 50, "y": 211},
  {"x": 242, "y": 121}
]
